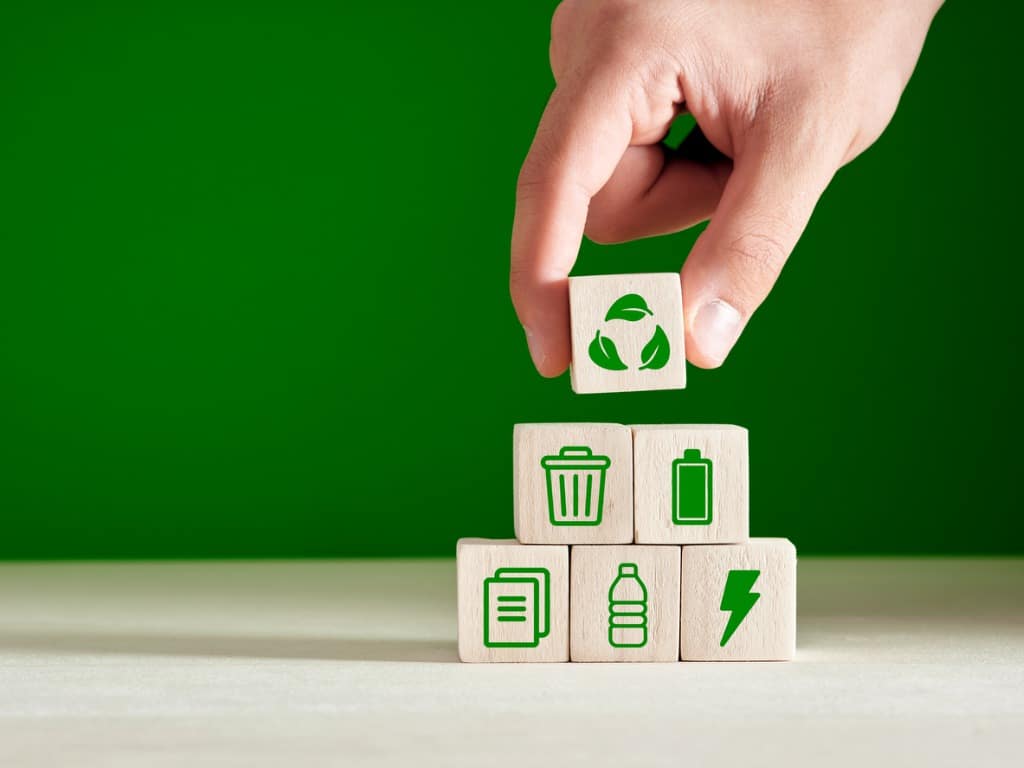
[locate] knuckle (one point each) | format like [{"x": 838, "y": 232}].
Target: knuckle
[
  {"x": 563, "y": 19},
  {"x": 541, "y": 164},
  {"x": 529, "y": 183},
  {"x": 810, "y": 115},
  {"x": 562, "y": 24},
  {"x": 583, "y": 30},
  {"x": 756, "y": 259},
  {"x": 534, "y": 179},
  {"x": 610, "y": 12},
  {"x": 544, "y": 178}
]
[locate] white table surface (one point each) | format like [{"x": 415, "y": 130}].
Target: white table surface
[{"x": 900, "y": 662}]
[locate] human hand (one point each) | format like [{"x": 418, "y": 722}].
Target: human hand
[{"x": 787, "y": 92}]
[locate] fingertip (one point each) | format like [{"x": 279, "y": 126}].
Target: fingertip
[
  {"x": 547, "y": 358},
  {"x": 696, "y": 359},
  {"x": 713, "y": 332},
  {"x": 537, "y": 352}
]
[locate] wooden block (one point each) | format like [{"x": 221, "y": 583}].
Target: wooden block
[
  {"x": 624, "y": 603},
  {"x": 573, "y": 483},
  {"x": 627, "y": 333},
  {"x": 720, "y": 583},
  {"x": 691, "y": 484},
  {"x": 513, "y": 601}
]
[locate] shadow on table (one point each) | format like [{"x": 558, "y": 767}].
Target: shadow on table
[{"x": 256, "y": 647}]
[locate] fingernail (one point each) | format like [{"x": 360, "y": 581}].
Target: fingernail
[
  {"x": 536, "y": 351},
  {"x": 715, "y": 329}
]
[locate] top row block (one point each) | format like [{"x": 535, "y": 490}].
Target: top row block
[
  {"x": 613, "y": 484},
  {"x": 627, "y": 333}
]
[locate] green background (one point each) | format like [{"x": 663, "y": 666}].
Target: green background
[{"x": 253, "y": 292}]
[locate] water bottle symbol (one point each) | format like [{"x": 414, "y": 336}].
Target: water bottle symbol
[{"x": 627, "y": 609}]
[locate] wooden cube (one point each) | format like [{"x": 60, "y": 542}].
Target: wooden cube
[
  {"x": 738, "y": 602},
  {"x": 691, "y": 484},
  {"x": 573, "y": 483},
  {"x": 627, "y": 333},
  {"x": 624, "y": 603},
  {"x": 513, "y": 601}
]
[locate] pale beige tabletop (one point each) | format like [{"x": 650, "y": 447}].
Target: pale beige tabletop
[{"x": 900, "y": 662}]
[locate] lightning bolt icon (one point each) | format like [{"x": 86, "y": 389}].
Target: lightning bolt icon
[{"x": 738, "y": 598}]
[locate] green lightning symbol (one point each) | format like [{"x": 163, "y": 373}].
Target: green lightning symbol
[{"x": 738, "y": 598}]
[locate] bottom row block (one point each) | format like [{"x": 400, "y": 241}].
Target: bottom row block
[
  {"x": 534, "y": 603},
  {"x": 624, "y": 603}
]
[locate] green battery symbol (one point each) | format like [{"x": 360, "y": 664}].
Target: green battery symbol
[{"x": 691, "y": 489}]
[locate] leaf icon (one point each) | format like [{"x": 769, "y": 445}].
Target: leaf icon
[
  {"x": 603, "y": 352},
  {"x": 631, "y": 307},
  {"x": 656, "y": 353}
]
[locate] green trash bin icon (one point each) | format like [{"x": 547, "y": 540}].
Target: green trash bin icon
[{"x": 575, "y": 479}]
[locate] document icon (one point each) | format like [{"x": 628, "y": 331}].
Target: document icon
[{"x": 517, "y": 609}]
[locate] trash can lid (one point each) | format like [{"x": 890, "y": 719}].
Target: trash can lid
[{"x": 575, "y": 457}]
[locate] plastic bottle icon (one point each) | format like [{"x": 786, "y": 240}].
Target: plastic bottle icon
[{"x": 627, "y": 609}]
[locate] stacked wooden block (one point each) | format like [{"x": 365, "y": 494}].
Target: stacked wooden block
[{"x": 632, "y": 542}]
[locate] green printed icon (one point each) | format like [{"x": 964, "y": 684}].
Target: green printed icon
[
  {"x": 630, "y": 307},
  {"x": 575, "y": 481},
  {"x": 517, "y": 607},
  {"x": 604, "y": 353},
  {"x": 738, "y": 599},
  {"x": 692, "y": 486},
  {"x": 627, "y": 609}
]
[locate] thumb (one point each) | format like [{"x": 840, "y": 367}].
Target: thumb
[{"x": 764, "y": 208}]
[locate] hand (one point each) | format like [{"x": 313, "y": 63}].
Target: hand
[{"x": 784, "y": 93}]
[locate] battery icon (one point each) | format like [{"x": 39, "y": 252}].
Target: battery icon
[{"x": 691, "y": 489}]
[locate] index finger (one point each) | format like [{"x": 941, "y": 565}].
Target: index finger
[{"x": 582, "y": 135}]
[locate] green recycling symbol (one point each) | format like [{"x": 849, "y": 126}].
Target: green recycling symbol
[{"x": 630, "y": 308}]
